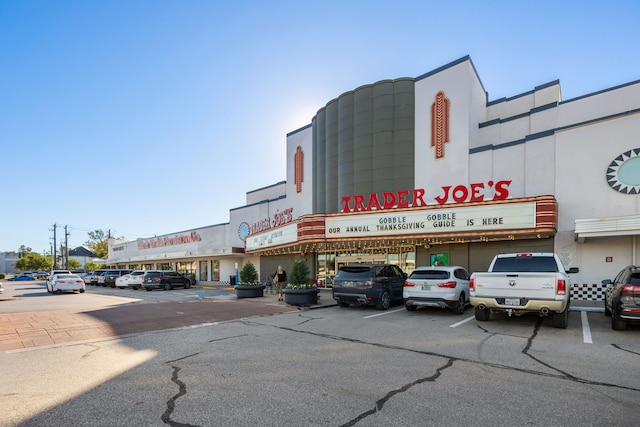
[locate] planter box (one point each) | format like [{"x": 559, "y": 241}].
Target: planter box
[
  {"x": 249, "y": 291},
  {"x": 301, "y": 297}
]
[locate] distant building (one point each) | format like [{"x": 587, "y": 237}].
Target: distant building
[
  {"x": 7, "y": 260},
  {"x": 83, "y": 256}
]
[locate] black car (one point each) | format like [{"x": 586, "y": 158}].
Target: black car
[
  {"x": 366, "y": 284},
  {"x": 622, "y": 298},
  {"x": 164, "y": 279}
]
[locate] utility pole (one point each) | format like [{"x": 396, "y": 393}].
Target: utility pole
[
  {"x": 54, "y": 253},
  {"x": 66, "y": 248}
]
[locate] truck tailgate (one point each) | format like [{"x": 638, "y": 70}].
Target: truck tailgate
[{"x": 529, "y": 285}]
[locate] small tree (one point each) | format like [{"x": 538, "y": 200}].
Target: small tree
[
  {"x": 300, "y": 275},
  {"x": 249, "y": 275}
]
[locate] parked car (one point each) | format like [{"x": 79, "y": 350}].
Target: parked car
[
  {"x": 109, "y": 277},
  {"x": 65, "y": 282},
  {"x": 622, "y": 298},
  {"x": 437, "y": 286},
  {"x": 164, "y": 279},
  {"x": 21, "y": 277},
  {"x": 366, "y": 284},
  {"x": 122, "y": 281},
  {"x": 54, "y": 272},
  {"x": 94, "y": 277},
  {"x": 135, "y": 279}
]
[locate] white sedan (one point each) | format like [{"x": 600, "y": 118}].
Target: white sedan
[
  {"x": 65, "y": 283},
  {"x": 123, "y": 281}
]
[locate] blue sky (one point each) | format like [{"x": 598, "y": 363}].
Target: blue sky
[{"x": 152, "y": 117}]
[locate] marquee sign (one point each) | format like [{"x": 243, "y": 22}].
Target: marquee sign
[
  {"x": 460, "y": 219},
  {"x": 279, "y": 236}
]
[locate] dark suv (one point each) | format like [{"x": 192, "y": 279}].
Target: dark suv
[
  {"x": 364, "y": 284},
  {"x": 164, "y": 279},
  {"x": 110, "y": 277},
  {"x": 622, "y": 298}
]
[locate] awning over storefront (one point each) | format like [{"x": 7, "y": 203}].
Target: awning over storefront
[
  {"x": 379, "y": 231},
  {"x": 607, "y": 227}
]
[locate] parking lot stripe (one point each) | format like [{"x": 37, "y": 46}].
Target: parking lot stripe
[
  {"x": 586, "y": 330},
  {"x": 455, "y": 325},
  {"x": 386, "y": 312}
]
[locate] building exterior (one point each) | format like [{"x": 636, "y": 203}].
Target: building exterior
[
  {"x": 415, "y": 171},
  {"x": 7, "y": 261}
]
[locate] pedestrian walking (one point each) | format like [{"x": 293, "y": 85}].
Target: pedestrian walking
[{"x": 280, "y": 280}]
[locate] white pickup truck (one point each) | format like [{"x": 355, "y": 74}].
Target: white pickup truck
[{"x": 523, "y": 283}]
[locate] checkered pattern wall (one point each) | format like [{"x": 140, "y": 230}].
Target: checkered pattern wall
[{"x": 588, "y": 292}]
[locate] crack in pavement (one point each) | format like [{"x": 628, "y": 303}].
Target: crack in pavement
[
  {"x": 624, "y": 349},
  {"x": 380, "y": 403},
  {"x": 90, "y": 352},
  {"x": 451, "y": 359},
  {"x": 182, "y": 390}
]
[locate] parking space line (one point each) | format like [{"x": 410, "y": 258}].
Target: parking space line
[
  {"x": 586, "y": 330},
  {"x": 455, "y": 325},
  {"x": 384, "y": 313}
]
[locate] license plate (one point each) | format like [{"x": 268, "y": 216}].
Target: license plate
[
  {"x": 512, "y": 301},
  {"x": 426, "y": 287}
]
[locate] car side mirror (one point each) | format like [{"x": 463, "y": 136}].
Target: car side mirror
[
  {"x": 607, "y": 282},
  {"x": 573, "y": 270}
]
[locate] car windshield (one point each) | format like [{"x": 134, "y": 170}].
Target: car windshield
[{"x": 429, "y": 275}]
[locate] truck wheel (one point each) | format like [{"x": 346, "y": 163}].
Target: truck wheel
[
  {"x": 617, "y": 323},
  {"x": 561, "y": 320},
  {"x": 385, "y": 301},
  {"x": 343, "y": 304},
  {"x": 482, "y": 315}
]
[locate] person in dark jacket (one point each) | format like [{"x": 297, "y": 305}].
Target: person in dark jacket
[{"x": 280, "y": 280}]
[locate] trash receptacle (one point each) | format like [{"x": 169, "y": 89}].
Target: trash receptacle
[{"x": 232, "y": 280}]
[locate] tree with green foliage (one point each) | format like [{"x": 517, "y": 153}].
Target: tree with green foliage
[
  {"x": 249, "y": 275},
  {"x": 98, "y": 243},
  {"x": 23, "y": 250},
  {"x": 300, "y": 273},
  {"x": 91, "y": 266},
  {"x": 33, "y": 261},
  {"x": 73, "y": 264}
]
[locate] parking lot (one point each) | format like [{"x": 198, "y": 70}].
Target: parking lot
[{"x": 330, "y": 366}]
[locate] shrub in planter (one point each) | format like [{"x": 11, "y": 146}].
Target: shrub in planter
[
  {"x": 249, "y": 286},
  {"x": 300, "y": 291}
]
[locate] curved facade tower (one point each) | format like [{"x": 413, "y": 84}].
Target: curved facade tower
[{"x": 363, "y": 142}]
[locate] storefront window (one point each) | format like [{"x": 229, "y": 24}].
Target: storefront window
[
  {"x": 204, "y": 270},
  {"x": 326, "y": 269},
  {"x": 215, "y": 270},
  {"x": 187, "y": 268},
  {"x": 164, "y": 266}
]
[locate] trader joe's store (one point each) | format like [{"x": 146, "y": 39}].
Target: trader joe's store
[{"x": 428, "y": 169}]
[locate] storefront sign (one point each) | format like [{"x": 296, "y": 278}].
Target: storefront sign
[
  {"x": 278, "y": 219},
  {"x": 281, "y": 236},
  {"x": 415, "y": 198},
  {"x": 471, "y": 218},
  {"x": 158, "y": 242}
]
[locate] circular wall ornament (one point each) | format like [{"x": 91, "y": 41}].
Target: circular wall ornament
[
  {"x": 623, "y": 174},
  {"x": 243, "y": 230}
]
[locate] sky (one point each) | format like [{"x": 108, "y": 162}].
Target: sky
[{"x": 150, "y": 117}]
